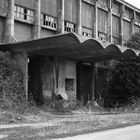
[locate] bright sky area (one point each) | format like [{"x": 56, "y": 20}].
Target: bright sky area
[{"x": 134, "y": 2}]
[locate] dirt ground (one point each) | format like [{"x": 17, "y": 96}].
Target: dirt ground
[{"x": 38, "y": 124}]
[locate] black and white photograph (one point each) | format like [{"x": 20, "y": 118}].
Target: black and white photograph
[{"x": 69, "y": 70}]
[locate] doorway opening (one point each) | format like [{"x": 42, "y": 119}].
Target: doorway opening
[{"x": 84, "y": 82}]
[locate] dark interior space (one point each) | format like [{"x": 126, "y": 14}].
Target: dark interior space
[
  {"x": 35, "y": 80},
  {"x": 102, "y": 84},
  {"x": 84, "y": 82}
]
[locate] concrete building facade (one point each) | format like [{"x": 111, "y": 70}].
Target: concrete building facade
[{"x": 109, "y": 21}]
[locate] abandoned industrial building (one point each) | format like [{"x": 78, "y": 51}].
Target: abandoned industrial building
[{"x": 64, "y": 46}]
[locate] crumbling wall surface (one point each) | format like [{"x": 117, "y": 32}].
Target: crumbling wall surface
[
  {"x": 3, "y": 7},
  {"x": 22, "y": 31},
  {"x": 64, "y": 69},
  {"x": 47, "y": 77},
  {"x": 1, "y": 29},
  {"x": 41, "y": 71}
]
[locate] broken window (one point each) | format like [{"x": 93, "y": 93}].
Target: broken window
[
  {"x": 49, "y": 22},
  {"x": 24, "y": 14},
  {"x": 69, "y": 84},
  {"x": 69, "y": 27},
  {"x": 87, "y": 32}
]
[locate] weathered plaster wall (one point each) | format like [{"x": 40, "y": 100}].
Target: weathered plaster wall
[
  {"x": 46, "y": 33},
  {"x": 47, "y": 78},
  {"x": 1, "y": 28},
  {"x": 26, "y": 3},
  {"x": 22, "y": 31},
  {"x": 66, "y": 69},
  {"x": 3, "y": 7}
]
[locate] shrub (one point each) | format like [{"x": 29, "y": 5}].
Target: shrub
[
  {"x": 125, "y": 81},
  {"x": 134, "y": 41},
  {"x": 11, "y": 84}
]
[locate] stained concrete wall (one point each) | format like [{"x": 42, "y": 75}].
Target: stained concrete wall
[
  {"x": 46, "y": 33},
  {"x": 47, "y": 78},
  {"x": 1, "y": 28},
  {"x": 67, "y": 69},
  {"x": 3, "y": 7},
  {"x": 22, "y": 31}
]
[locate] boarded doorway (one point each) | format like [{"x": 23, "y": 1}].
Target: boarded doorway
[{"x": 84, "y": 82}]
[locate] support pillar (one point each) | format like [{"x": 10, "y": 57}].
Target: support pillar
[
  {"x": 9, "y": 25},
  {"x": 93, "y": 82},
  {"x": 61, "y": 17},
  {"x": 79, "y": 25},
  {"x": 55, "y": 84},
  {"x": 96, "y": 80},
  {"x": 37, "y": 20},
  {"x": 59, "y": 78},
  {"x": 121, "y": 24},
  {"x": 109, "y": 28},
  {"x": 96, "y": 19},
  {"x": 22, "y": 60}
]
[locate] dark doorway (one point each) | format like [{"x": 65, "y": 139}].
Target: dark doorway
[
  {"x": 84, "y": 82},
  {"x": 35, "y": 80}
]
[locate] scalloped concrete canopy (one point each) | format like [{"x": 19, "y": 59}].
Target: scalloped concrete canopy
[{"x": 71, "y": 46}]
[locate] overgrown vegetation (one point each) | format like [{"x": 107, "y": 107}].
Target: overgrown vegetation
[
  {"x": 134, "y": 41},
  {"x": 12, "y": 95},
  {"x": 125, "y": 77},
  {"x": 125, "y": 80}
]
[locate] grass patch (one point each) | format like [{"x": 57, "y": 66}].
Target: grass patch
[{"x": 64, "y": 127}]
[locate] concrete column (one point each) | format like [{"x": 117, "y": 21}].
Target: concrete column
[
  {"x": 109, "y": 27},
  {"x": 22, "y": 60},
  {"x": 9, "y": 25},
  {"x": 96, "y": 81},
  {"x": 93, "y": 81},
  {"x": 54, "y": 78},
  {"x": 61, "y": 17},
  {"x": 37, "y": 20},
  {"x": 121, "y": 24},
  {"x": 96, "y": 19},
  {"x": 79, "y": 23},
  {"x": 61, "y": 78}
]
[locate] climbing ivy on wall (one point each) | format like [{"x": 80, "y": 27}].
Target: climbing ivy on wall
[{"x": 11, "y": 83}]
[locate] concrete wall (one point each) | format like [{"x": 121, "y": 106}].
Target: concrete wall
[
  {"x": 67, "y": 69},
  {"x": 1, "y": 28},
  {"x": 22, "y": 31},
  {"x": 88, "y": 17},
  {"x": 26, "y": 3},
  {"x": 47, "y": 78},
  {"x": 3, "y": 7},
  {"x": 46, "y": 33}
]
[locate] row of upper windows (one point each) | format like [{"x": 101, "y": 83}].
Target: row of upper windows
[
  {"x": 27, "y": 15},
  {"x": 128, "y": 13},
  {"x": 24, "y": 14}
]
